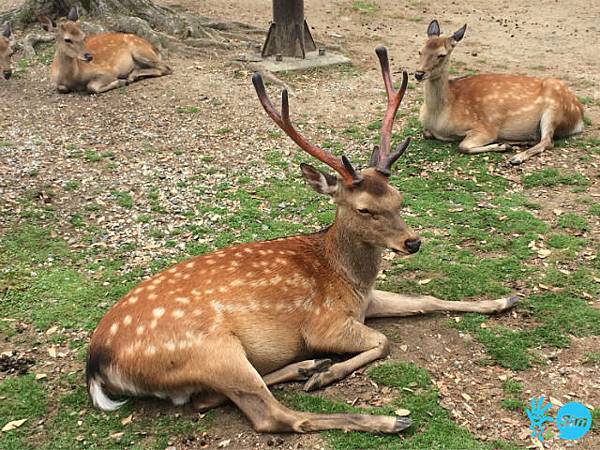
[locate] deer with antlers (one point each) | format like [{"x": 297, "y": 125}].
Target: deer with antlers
[
  {"x": 227, "y": 324},
  {"x": 490, "y": 111},
  {"x": 101, "y": 62},
  {"x": 6, "y": 43}
]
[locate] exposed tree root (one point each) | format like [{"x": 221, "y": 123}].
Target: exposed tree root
[{"x": 162, "y": 26}]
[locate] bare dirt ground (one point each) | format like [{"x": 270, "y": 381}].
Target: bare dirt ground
[{"x": 155, "y": 144}]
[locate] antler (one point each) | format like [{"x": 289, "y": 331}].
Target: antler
[
  {"x": 381, "y": 158},
  {"x": 341, "y": 166}
]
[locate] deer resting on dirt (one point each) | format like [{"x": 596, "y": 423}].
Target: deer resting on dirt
[
  {"x": 101, "y": 62},
  {"x": 490, "y": 111},
  {"x": 5, "y": 51},
  {"x": 227, "y": 324}
]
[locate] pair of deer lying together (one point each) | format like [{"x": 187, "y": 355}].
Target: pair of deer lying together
[{"x": 226, "y": 325}]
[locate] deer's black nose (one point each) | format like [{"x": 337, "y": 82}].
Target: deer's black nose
[
  {"x": 419, "y": 75},
  {"x": 88, "y": 57},
  {"x": 7, "y": 74},
  {"x": 412, "y": 245}
]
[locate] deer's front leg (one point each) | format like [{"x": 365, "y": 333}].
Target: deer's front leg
[
  {"x": 390, "y": 304},
  {"x": 349, "y": 336}
]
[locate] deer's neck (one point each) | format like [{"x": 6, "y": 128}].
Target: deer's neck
[
  {"x": 68, "y": 67},
  {"x": 437, "y": 93},
  {"x": 354, "y": 260}
]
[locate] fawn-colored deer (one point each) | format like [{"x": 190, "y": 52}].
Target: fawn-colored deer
[
  {"x": 101, "y": 62},
  {"x": 5, "y": 51},
  {"x": 227, "y": 324},
  {"x": 491, "y": 111}
]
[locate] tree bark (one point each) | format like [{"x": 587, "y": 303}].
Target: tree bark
[{"x": 288, "y": 34}]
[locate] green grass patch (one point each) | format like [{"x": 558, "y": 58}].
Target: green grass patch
[
  {"x": 573, "y": 221},
  {"x": 365, "y": 7},
  {"x": 432, "y": 427},
  {"x": 553, "y": 177}
]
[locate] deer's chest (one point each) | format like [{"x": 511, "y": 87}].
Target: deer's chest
[{"x": 439, "y": 122}]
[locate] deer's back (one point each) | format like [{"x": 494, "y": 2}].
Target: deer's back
[{"x": 513, "y": 105}]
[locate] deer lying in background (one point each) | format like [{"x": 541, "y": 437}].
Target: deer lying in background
[
  {"x": 5, "y": 52},
  {"x": 227, "y": 324},
  {"x": 490, "y": 110},
  {"x": 102, "y": 62}
]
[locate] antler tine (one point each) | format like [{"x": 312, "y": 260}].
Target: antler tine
[
  {"x": 394, "y": 99},
  {"x": 341, "y": 166}
]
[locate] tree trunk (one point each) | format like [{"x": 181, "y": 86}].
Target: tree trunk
[{"x": 288, "y": 34}]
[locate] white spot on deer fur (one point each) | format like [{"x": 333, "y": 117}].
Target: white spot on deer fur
[
  {"x": 178, "y": 313},
  {"x": 186, "y": 276},
  {"x": 190, "y": 265},
  {"x": 158, "y": 312},
  {"x": 210, "y": 262},
  {"x": 133, "y": 299},
  {"x": 152, "y": 296},
  {"x": 262, "y": 252},
  {"x": 170, "y": 346},
  {"x": 172, "y": 270},
  {"x": 236, "y": 282},
  {"x": 248, "y": 250},
  {"x": 114, "y": 328},
  {"x": 209, "y": 291},
  {"x": 183, "y": 300},
  {"x": 138, "y": 290},
  {"x": 223, "y": 289},
  {"x": 127, "y": 320},
  {"x": 196, "y": 312},
  {"x": 140, "y": 330},
  {"x": 270, "y": 252},
  {"x": 157, "y": 281},
  {"x": 150, "y": 350},
  {"x": 177, "y": 275},
  {"x": 151, "y": 287},
  {"x": 153, "y": 324}
]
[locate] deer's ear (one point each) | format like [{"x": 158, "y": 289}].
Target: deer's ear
[
  {"x": 73, "y": 14},
  {"x": 458, "y": 35},
  {"x": 321, "y": 182},
  {"x": 47, "y": 24},
  {"x": 433, "y": 30}
]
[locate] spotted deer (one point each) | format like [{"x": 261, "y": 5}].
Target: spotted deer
[
  {"x": 490, "y": 111},
  {"x": 101, "y": 62},
  {"x": 227, "y": 324},
  {"x": 6, "y": 43}
]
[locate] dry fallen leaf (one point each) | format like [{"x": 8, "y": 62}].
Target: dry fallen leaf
[
  {"x": 52, "y": 352},
  {"x": 40, "y": 376},
  {"x": 544, "y": 253},
  {"x": 466, "y": 396},
  {"x": 425, "y": 281},
  {"x": 402, "y": 412},
  {"x": 116, "y": 436},
  {"x": 127, "y": 420},
  {"x": 502, "y": 377},
  {"x": 13, "y": 424},
  {"x": 51, "y": 330},
  {"x": 404, "y": 347}
]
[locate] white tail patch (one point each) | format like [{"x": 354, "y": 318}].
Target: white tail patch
[{"x": 100, "y": 399}]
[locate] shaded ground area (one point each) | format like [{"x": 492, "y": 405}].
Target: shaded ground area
[{"x": 99, "y": 192}]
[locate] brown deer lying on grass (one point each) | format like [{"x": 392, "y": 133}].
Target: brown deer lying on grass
[
  {"x": 227, "y": 324},
  {"x": 102, "y": 62},
  {"x": 489, "y": 111},
  {"x": 5, "y": 52}
]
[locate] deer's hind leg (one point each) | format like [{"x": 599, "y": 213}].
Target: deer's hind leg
[
  {"x": 101, "y": 85},
  {"x": 481, "y": 141},
  {"x": 237, "y": 379},
  {"x": 547, "y": 127},
  {"x": 147, "y": 64},
  {"x": 299, "y": 371}
]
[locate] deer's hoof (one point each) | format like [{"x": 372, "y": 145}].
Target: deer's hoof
[
  {"x": 516, "y": 160},
  {"x": 510, "y": 302},
  {"x": 402, "y": 423},
  {"x": 320, "y": 365},
  {"x": 315, "y": 382}
]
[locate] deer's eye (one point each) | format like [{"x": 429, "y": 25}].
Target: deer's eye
[
  {"x": 420, "y": 53},
  {"x": 364, "y": 211},
  {"x": 68, "y": 41},
  {"x": 441, "y": 56}
]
